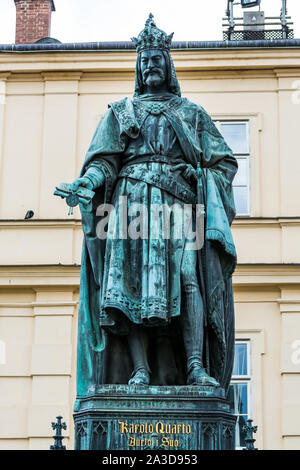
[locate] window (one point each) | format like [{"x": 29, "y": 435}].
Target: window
[
  {"x": 236, "y": 134},
  {"x": 240, "y": 389}
]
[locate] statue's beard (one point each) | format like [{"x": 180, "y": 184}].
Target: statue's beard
[{"x": 154, "y": 78}]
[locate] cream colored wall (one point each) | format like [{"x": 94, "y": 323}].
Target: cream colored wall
[{"x": 50, "y": 105}]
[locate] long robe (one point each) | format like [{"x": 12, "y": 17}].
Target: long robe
[{"x": 187, "y": 135}]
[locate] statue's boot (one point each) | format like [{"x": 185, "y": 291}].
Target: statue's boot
[
  {"x": 138, "y": 346},
  {"x": 140, "y": 377},
  {"x": 192, "y": 325},
  {"x": 198, "y": 376}
]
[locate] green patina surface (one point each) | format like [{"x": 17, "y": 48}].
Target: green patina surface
[
  {"x": 152, "y": 310},
  {"x": 113, "y": 271}
]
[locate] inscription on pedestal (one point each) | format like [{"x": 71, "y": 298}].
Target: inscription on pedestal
[{"x": 158, "y": 418}]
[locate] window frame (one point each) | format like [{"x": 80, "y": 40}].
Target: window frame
[
  {"x": 245, "y": 156},
  {"x": 245, "y": 379}
]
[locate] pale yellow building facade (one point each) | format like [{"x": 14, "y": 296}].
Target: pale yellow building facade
[{"x": 50, "y": 104}]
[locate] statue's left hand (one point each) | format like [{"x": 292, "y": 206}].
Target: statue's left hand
[{"x": 188, "y": 171}]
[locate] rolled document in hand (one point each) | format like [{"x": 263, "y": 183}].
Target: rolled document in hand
[{"x": 84, "y": 195}]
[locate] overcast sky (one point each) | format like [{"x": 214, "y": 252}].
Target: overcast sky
[{"x": 118, "y": 20}]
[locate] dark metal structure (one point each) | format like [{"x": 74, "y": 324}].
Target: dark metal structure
[
  {"x": 250, "y": 3},
  {"x": 58, "y": 427},
  {"x": 249, "y": 430},
  {"x": 242, "y": 28}
]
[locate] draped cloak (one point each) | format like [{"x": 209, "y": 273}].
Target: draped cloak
[{"x": 103, "y": 357}]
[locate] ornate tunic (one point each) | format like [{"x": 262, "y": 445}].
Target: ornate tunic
[{"x": 142, "y": 276}]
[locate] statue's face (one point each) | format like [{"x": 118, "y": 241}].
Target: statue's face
[{"x": 153, "y": 68}]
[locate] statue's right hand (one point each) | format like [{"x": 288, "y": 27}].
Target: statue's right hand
[{"x": 84, "y": 182}]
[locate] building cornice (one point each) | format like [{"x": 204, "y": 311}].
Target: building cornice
[
  {"x": 76, "y": 223},
  {"x": 266, "y": 275},
  {"x": 42, "y": 275},
  {"x": 118, "y": 61},
  {"x": 68, "y": 275},
  {"x": 4, "y": 75}
]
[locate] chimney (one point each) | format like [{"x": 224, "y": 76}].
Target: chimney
[{"x": 33, "y": 20}]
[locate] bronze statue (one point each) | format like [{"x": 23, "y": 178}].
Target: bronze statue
[{"x": 152, "y": 309}]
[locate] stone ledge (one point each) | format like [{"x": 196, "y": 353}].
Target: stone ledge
[{"x": 155, "y": 390}]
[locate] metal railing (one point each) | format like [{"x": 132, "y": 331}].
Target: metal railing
[{"x": 272, "y": 27}]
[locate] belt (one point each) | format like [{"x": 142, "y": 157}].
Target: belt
[
  {"x": 161, "y": 181},
  {"x": 155, "y": 158}
]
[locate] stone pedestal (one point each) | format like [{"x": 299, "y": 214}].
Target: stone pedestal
[{"x": 122, "y": 417}]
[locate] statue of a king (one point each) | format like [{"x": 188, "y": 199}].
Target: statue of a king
[{"x": 155, "y": 310}]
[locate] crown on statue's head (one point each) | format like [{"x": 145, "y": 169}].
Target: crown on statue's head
[{"x": 152, "y": 38}]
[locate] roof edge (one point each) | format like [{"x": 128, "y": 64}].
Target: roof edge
[{"x": 182, "y": 45}]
